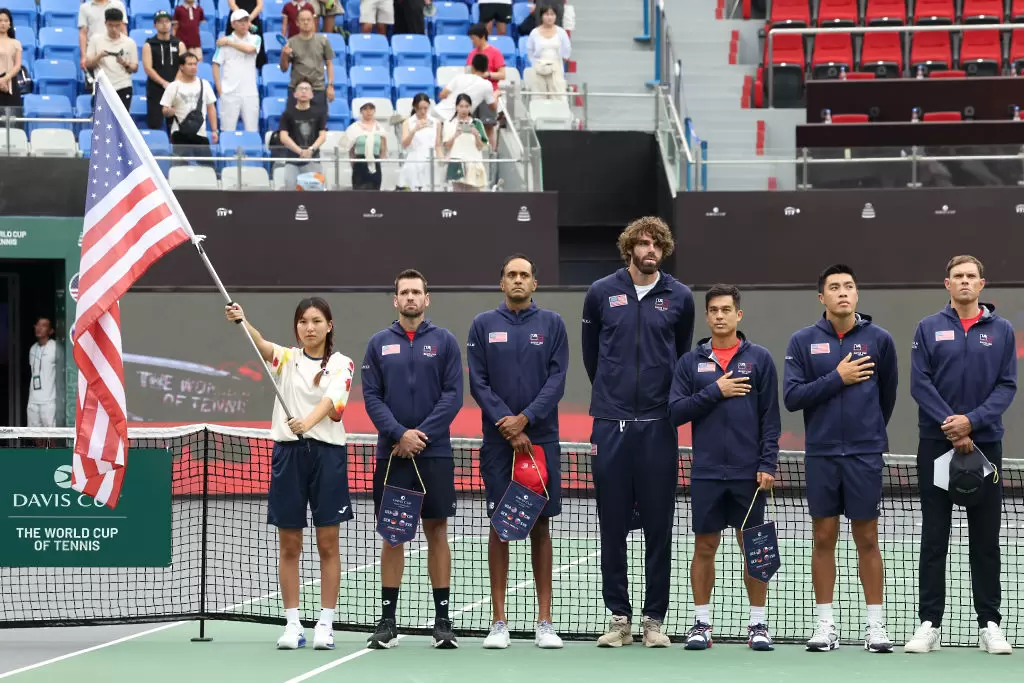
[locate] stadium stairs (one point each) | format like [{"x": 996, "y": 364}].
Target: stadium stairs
[{"x": 720, "y": 58}]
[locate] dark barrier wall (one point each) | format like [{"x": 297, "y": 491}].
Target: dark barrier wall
[
  {"x": 905, "y": 134},
  {"x": 359, "y": 239},
  {"x": 42, "y": 187},
  {"x": 891, "y": 237},
  {"x": 163, "y": 333}
]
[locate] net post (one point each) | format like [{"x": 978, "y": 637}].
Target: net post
[{"x": 202, "y": 637}]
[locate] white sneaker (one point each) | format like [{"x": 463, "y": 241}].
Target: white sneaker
[
  {"x": 925, "y": 639},
  {"x": 323, "y": 637},
  {"x": 618, "y": 633},
  {"x": 825, "y": 637},
  {"x": 877, "y": 639},
  {"x": 546, "y": 638},
  {"x": 293, "y": 638},
  {"x": 993, "y": 641},
  {"x": 498, "y": 638}
]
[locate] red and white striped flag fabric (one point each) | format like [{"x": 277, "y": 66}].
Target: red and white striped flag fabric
[{"x": 131, "y": 220}]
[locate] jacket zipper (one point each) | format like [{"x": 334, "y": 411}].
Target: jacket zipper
[
  {"x": 636, "y": 389},
  {"x": 842, "y": 410}
]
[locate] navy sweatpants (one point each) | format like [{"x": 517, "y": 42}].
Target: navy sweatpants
[{"x": 635, "y": 462}]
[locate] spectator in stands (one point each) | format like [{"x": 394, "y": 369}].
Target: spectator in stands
[
  {"x": 379, "y": 13},
  {"x": 329, "y": 10},
  {"x": 477, "y": 88},
  {"x": 366, "y": 142},
  {"x": 187, "y": 17},
  {"x": 290, "y": 16},
  {"x": 42, "y": 393},
  {"x": 191, "y": 102},
  {"x": 421, "y": 136},
  {"x": 496, "y": 12},
  {"x": 409, "y": 16},
  {"x": 303, "y": 131},
  {"x": 255, "y": 9},
  {"x": 310, "y": 53},
  {"x": 92, "y": 21},
  {"x": 495, "y": 74},
  {"x": 463, "y": 141},
  {"x": 160, "y": 61},
  {"x": 116, "y": 54},
  {"x": 234, "y": 74},
  {"x": 10, "y": 63},
  {"x": 547, "y": 50},
  {"x": 530, "y": 22}
]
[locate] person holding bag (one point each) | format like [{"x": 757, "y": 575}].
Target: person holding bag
[
  {"x": 548, "y": 49},
  {"x": 191, "y": 101}
]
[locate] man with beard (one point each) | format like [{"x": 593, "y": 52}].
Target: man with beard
[
  {"x": 412, "y": 389},
  {"x": 637, "y": 322},
  {"x": 963, "y": 377},
  {"x": 518, "y": 357}
]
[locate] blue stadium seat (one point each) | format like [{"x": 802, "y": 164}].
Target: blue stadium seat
[
  {"x": 142, "y": 12},
  {"x": 139, "y": 79},
  {"x": 452, "y": 18},
  {"x": 340, "y": 82},
  {"x": 524, "y": 60},
  {"x": 59, "y": 43},
  {"x": 83, "y": 110},
  {"x": 223, "y": 14},
  {"x": 85, "y": 141},
  {"x": 47, "y": 106},
  {"x": 160, "y": 145},
  {"x": 507, "y": 46},
  {"x": 339, "y": 114},
  {"x": 272, "y": 19},
  {"x": 452, "y": 50},
  {"x": 24, "y": 13},
  {"x": 351, "y": 15},
  {"x": 27, "y": 38},
  {"x": 58, "y": 14},
  {"x": 275, "y": 81},
  {"x": 140, "y": 36},
  {"x": 520, "y": 11},
  {"x": 56, "y": 77},
  {"x": 250, "y": 142},
  {"x": 412, "y": 50},
  {"x": 273, "y": 50},
  {"x": 271, "y": 110},
  {"x": 138, "y": 110},
  {"x": 205, "y": 72},
  {"x": 411, "y": 80},
  {"x": 337, "y": 42},
  {"x": 369, "y": 49},
  {"x": 208, "y": 39},
  {"x": 370, "y": 81}
]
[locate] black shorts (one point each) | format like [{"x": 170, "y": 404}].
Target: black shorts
[
  {"x": 717, "y": 504},
  {"x": 313, "y": 473},
  {"x": 487, "y": 116},
  {"x": 438, "y": 477},
  {"x": 496, "y": 471},
  {"x": 849, "y": 485},
  {"x": 495, "y": 11}
]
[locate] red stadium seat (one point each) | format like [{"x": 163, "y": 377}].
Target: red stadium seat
[
  {"x": 981, "y": 53},
  {"x": 838, "y": 13},
  {"x": 931, "y": 51},
  {"x": 934, "y": 12},
  {"x": 944, "y": 116},
  {"x": 952, "y": 73},
  {"x": 850, "y": 118},
  {"x": 983, "y": 12},
  {"x": 882, "y": 54},
  {"x": 787, "y": 62},
  {"x": 832, "y": 52},
  {"x": 1016, "y": 11},
  {"x": 860, "y": 76},
  {"x": 1017, "y": 50},
  {"x": 791, "y": 13},
  {"x": 886, "y": 13}
]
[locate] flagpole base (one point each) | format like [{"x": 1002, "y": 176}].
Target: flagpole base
[{"x": 202, "y": 637}]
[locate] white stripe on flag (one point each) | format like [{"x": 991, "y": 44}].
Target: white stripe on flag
[
  {"x": 106, "y": 488},
  {"x": 127, "y": 223},
  {"x": 106, "y": 373},
  {"x": 102, "y": 208}
]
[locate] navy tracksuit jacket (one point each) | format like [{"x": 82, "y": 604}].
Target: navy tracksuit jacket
[
  {"x": 413, "y": 385},
  {"x": 630, "y": 349},
  {"x": 841, "y": 419},
  {"x": 735, "y": 438},
  {"x": 517, "y": 364}
]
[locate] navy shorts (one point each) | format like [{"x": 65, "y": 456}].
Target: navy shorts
[
  {"x": 308, "y": 472},
  {"x": 496, "y": 471},
  {"x": 719, "y": 503},
  {"x": 495, "y": 11},
  {"x": 438, "y": 477},
  {"x": 849, "y": 485}
]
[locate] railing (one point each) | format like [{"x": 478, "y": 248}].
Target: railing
[{"x": 861, "y": 30}]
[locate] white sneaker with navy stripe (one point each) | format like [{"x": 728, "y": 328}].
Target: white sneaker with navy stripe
[
  {"x": 699, "y": 636},
  {"x": 323, "y": 637},
  {"x": 877, "y": 639},
  {"x": 824, "y": 638},
  {"x": 293, "y": 638},
  {"x": 759, "y": 639}
]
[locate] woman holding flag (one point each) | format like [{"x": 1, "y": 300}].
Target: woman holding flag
[{"x": 309, "y": 462}]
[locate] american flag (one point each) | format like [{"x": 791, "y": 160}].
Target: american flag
[{"x": 131, "y": 220}]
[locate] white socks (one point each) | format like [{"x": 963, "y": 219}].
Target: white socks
[
  {"x": 326, "y": 616},
  {"x": 702, "y": 613},
  {"x": 292, "y": 615},
  {"x": 757, "y": 616},
  {"x": 825, "y": 612},
  {"x": 875, "y": 615}
]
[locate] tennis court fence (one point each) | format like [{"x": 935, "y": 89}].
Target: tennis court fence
[{"x": 224, "y": 554}]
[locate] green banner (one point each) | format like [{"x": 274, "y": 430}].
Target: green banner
[{"x": 46, "y": 523}]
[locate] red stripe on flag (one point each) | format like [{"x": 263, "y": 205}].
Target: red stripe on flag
[
  {"x": 119, "y": 249},
  {"x": 100, "y": 229}
]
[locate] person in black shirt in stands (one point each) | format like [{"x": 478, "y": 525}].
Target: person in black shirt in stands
[
  {"x": 160, "y": 60},
  {"x": 303, "y": 131}
]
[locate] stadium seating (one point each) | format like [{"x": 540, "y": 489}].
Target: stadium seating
[
  {"x": 251, "y": 145},
  {"x": 452, "y": 50},
  {"x": 143, "y": 11},
  {"x": 85, "y": 142},
  {"x": 885, "y": 13},
  {"x": 370, "y": 81},
  {"x": 837, "y": 13},
  {"x": 27, "y": 38},
  {"x": 412, "y": 50},
  {"x": 339, "y": 114},
  {"x": 451, "y": 18},
  {"x": 13, "y": 142},
  {"x": 369, "y": 49},
  {"x": 982, "y": 12},
  {"x": 59, "y": 14},
  {"x": 934, "y": 12},
  {"x": 58, "y": 42},
  {"x": 24, "y": 13},
  {"x": 48, "y": 107},
  {"x": 270, "y": 111},
  {"x": 138, "y": 110},
  {"x": 832, "y": 53},
  {"x": 53, "y": 142},
  {"x": 981, "y": 53},
  {"x": 410, "y": 80},
  {"x": 790, "y": 14},
  {"x": 275, "y": 81},
  {"x": 56, "y": 77},
  {"x": 192, "y": 178}
]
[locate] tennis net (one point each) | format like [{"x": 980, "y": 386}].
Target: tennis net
[{"x": 224, "y": 555}]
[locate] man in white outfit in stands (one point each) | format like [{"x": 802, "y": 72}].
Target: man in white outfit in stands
[{"x": 234, "y": 74}]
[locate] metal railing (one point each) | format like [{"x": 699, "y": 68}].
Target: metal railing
[{"x": 861, "y": 30}]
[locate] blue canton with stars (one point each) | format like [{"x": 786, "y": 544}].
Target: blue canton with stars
[{"x": 113, "y": 157}]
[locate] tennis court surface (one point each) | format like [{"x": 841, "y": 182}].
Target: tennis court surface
[{"x": 223, "y": 568}]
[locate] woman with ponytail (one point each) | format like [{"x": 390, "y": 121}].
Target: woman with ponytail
[{"x": 309, "y": 462}]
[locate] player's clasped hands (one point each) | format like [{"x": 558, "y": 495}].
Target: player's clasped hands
[
  {"x": 733, "y": 386},
  {"x": 411, "y": 444},
  {"x": 855, "y": 371}
]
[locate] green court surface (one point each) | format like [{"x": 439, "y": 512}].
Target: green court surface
[{"x": 245, "y": 652}]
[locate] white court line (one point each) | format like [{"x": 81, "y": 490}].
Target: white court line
[
  {"x": 471, "y": 606},
  {"x": 163, "y": 627}
]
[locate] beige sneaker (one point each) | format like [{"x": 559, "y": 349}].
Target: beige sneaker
[
  {"x": 618, "y": 633},
  {"x": 653, "y": 637}
]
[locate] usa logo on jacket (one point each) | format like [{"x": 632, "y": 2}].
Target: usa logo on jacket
[
  {"x": 985, "y": 341},
  {"x": 744, "y": 368},
  {"x": 429, "y": 351},
  {"x": 661, "y": 304},
  {"x": 860, "y": 349},
  {"x": 537, "y": 339}
]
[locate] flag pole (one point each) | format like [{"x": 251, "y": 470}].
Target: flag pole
[{"x": 146, "y": 157}]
